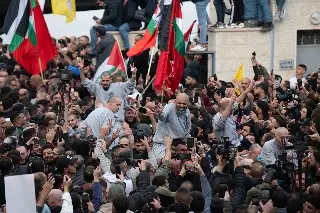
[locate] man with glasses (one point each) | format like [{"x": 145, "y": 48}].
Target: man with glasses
[{"x": 275, "y": 147}]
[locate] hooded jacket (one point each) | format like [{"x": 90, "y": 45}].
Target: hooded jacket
[{"x": 166, "y": 196}]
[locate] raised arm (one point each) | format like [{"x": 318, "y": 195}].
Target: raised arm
[
  {"x": 245, "y": 93},
  {"x": 131, "y": 83}
]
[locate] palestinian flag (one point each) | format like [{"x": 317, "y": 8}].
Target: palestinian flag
[
  {"x": 110, "y": 59},
  {"x": 30, "y": 41},
  {"x": 171, "y": 61},
  {"x": 188, "y": 33},
  {"x": 150, "y": 36}
]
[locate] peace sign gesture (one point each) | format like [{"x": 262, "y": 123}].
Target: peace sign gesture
[{"x": 133, "y": 69}]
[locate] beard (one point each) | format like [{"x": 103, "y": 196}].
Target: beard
[
  {"x": 105, "y": 88},
  {"x": 131, "y": 123},
  {"x": 181, "y": 111}
]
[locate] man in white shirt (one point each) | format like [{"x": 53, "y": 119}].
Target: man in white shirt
[{"x": 300, "y": 70}]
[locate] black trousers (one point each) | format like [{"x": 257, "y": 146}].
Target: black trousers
[{"x": 237, "y": 11}]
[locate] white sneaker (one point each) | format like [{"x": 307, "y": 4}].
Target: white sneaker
[
  {"x": 277, "y": 16},
  {"x": 283, "y": 13},
  {"x": 240, "y": 25},
  {"x": 233, "y": 25},
  {"x": 198, "y": 48}
]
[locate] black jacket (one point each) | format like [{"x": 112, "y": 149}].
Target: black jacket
[
  {"x": 128, "y": 15},
  {"x": 112, "y": 13},
  {"x": 137, "y": 197},
  {"x": 243, "y": 184}
]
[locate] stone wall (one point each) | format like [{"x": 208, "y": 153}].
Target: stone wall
[
  {"x": 234, "y": 46},
  {"x": 132, "y": 35}
]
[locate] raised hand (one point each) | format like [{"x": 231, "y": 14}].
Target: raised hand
[
  {"x": 133, "y": 69},
  {"x": 105, "y": 130},
  {"x": 115, "y": 134},
  {"x": 50, "y": 135},
  {"x": 67, "y": 182}
]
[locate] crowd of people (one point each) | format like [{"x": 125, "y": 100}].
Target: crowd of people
[
  {"x": 249, "y": 145},
  {"x": 116, "y": 146}
]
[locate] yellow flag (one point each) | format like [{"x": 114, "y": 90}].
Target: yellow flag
[
  {"x": 239, "y": 74},
  {"x": 239, "y": 77},
  {"x": 66, "y": 8}
]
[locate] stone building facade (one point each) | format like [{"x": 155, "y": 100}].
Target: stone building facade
[{"x": 235, "y": 46}]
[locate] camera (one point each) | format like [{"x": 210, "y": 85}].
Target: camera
[
  {"x": 91, "y": 141},
  {"x": 65, "y": 76},
  {"x": 226, "y": 149},
  {"x": 287, "y": 96}
]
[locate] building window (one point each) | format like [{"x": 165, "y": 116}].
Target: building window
[{"x": 308, "y": 37}]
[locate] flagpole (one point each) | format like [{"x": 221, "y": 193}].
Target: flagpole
[
  {"x": 40, "y": 67},
  {"x": 150, "y": 62},
  {"x": 162, "y": 91},
  {"x": 144, "y": 91}
]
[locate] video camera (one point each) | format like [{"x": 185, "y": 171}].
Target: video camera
[
  {"x": 288, "y": 96},
  {"x": 226, "y": 149},
  {"x": 90, "y": 140},
  {"x": 284, "y": 169}
]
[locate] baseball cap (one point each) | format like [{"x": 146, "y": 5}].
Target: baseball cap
[
  {"x": 100, "y": 29},
  {"x": 263, "y": 85},
  {"x": 65, "y": 161}
]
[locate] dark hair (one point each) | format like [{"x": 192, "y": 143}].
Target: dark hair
[
  {"x": 198, "y": 202},
  {"x": 121, "y": 203},
  {"x": 280, "y": 198},
  {"x": 48, "y": 146},
  {"x": 15, "y": 157},
  {"x": 6, "y": 166},
  {"x": 314, "y": 200},
  {"x": 148, "y": 208},
  {"x": 47, "y": 120},
  {"x": 216, "y": 205},
  {"x": 219, "y": 189},
  {"x": 88, "y": 174},
  {"x": 37, "y": 165},
  {"x": 14, "y": 116},
  {"x": 303, "y": 66},
  {"x": 14, "y": 95},
  {"x": 294, "y": 205},
  {"x": 28, "y": 134},
  {"x": 7, "y": 103},
  {"x": 9, "y": 131},
  {"x": 159, "y": 180},
  {"x": 178, "y": 208}
]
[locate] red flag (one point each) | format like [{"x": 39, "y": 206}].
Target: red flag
[
  {"x": 171, "y": 61},
  {"x": 150, "y": 36},
  {"x": 188, "y": 33},
  {"x": 30, "y": 40}
]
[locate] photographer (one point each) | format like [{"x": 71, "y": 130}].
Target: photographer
[
  {"x": 237, "y": 188},
  {"x": 274, "y": 148}
]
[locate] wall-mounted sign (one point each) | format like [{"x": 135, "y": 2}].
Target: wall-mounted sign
[{"x": 287, "y": 65}]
